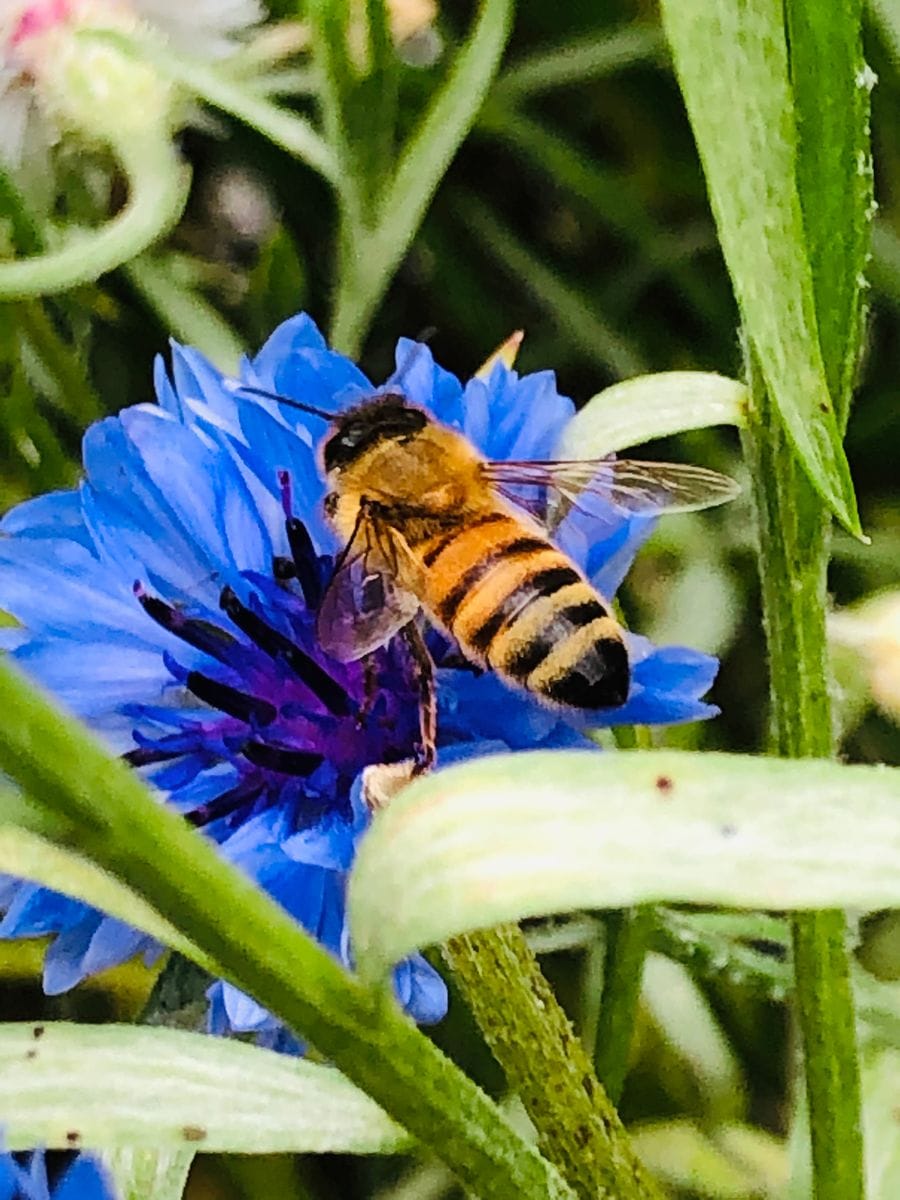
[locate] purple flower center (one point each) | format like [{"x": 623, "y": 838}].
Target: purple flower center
[{"x": 281, "y": 712}]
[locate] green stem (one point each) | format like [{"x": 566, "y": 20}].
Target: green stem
[
  {"x": 158, "y": 190},
  {"x": 578, "y": 61},
  {"x": 373, "y": 253},
  {"x": 628, "y": 933},
  {"x": 75, "y": 391},
  {"x": 102, "y": 810},
  {"x": 793, "y": 558},
  {"x": 546, "y": 1065}
]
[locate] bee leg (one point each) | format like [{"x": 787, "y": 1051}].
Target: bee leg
[
  {"x": 370, "y": 689},
  {"x": 424, "y": 667}
]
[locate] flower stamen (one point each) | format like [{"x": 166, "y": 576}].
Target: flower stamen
[
  {"x": 229, "y": 700},
  {"x": 277, "y": 646},
  {"x": 282, "y": 758},
  {"x": 202, "y": 635}
]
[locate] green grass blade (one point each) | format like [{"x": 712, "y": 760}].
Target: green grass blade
[
  {"x": 832, "y": 85},
  {"x": 732, "y": 63}
]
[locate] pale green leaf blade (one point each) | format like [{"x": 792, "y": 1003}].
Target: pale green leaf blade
[
  {"x": 732, "y": 64},
  {"x": 522, "y": 835},
  {"x": 125, "y": 1086},
  {"x": 651, "y": 406},
  {"x": 149, "y": 1174},
  {"x": 28, "y": 856},
  {"x": 832, "y": 85}
]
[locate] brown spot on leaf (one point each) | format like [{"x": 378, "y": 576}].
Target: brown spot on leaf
[
  {"x": 73, "y": 1137},
  {"x": 29, "y": 1054},
  {"x": 664, "y": 784},
  {"x": 37, "y": 1032},
  {"x": 193, "y": 1133}
]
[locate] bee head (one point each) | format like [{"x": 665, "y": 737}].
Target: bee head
[{"x": 360, "y": 428}]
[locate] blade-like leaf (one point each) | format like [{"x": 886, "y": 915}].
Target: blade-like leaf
[
  {"x": 834, "y": 174},
  {"x": 732, "y": 63},
  {"x": 125, "y": 1086},
  {"x": 515, "y": 836},
  {"x": 28, "y": 856},
  {"x": 651, "y": 406}
]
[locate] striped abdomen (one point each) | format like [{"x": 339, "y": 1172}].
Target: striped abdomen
[{"x": 516, "y": 604}]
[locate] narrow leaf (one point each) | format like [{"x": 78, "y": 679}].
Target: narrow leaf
[
  {"x": 29, "y": 856},
  {"x": 521, "y": 835},
  {"x": 652, "y": 406},
  {"x": 126, "y": 1086},
  {"x": 834, "y": 173},
  {"x": 732, "y": 63}
]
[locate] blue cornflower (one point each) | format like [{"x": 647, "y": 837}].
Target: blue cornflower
[
  {"x": 24, "y": 1177},
  {"x": 170, "y": 601}
]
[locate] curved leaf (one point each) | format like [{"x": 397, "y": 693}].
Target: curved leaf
[
  {"x": 521, "y": 835},
  {"x": 124, "y": 1086},
  {"x": 652, "y": 406}
]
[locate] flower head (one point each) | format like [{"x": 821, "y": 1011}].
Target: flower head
[
  {"x": 171, "y": 603},
  {"x": 52, "y": 80},
  {"x": 24, "y": 1177}
]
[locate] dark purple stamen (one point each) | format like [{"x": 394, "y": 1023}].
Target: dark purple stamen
[
  {"x": 145, "y": 756},
  {"x": 228, "y": 802},
  {"x": 201, "y": 634},
  {"x": 282, "y": 758},
  {"x": 305, "y": 563},
  {"x": 303, "y": 552},
  {"x": 277, "y": 646},
  {"x": 231, "y": 701},
  {"x": 283, "y": 568}
]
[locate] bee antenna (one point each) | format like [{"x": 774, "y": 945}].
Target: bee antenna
[{"x": 307, "y": 408}]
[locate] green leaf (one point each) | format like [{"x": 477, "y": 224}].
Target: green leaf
[
  {"x": 29, "y": 856},
  {"x": 881, "y": 1100},
  {"x": 93, "y": 803},
  {"x": 580, "y": 60},
  {"x": 565, "y": 304},
  {"x": 652, "y": 406},
  {"x": 832, "y": 85},
  {"x": 127, "y": 1086},
  {"x": 727, "y": 1162},
  {"x": 149, "y": 1174},
  {"x": 184, "y": 311},
  {"x": 732, "y": 63},
  {"x": 521, "y": 835},
  {"x": 422, "y": 164}
]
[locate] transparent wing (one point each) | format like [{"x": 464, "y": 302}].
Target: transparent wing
[
  {"x": 646, "y": 488},
  {"x": 370, "y": 596}
]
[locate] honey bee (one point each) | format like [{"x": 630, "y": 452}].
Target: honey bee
[{"x": 430, "y": 525}]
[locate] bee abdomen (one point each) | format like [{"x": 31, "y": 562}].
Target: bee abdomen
[{"x": 560, "y": 642}]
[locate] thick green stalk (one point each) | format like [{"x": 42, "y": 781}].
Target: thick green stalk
[
  {"x": 793, "y": 557},
  {"x": 546, "y": 1065}
]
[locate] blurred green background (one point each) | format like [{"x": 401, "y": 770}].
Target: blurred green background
[{"x": 576, "y": 210}]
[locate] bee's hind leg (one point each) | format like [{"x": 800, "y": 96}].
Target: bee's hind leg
[{"x": 426, "y": 752}]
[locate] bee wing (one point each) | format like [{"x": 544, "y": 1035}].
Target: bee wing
[
  {"x": 645, "y": 488},
  {"x": 370, "y": 595}
]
